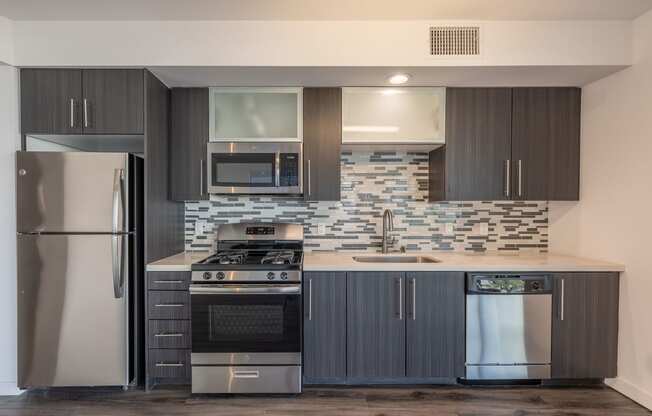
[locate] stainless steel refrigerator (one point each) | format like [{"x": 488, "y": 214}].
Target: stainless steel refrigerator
[{"x": 79, "y": 262}]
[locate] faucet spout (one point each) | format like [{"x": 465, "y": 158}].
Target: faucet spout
[{"x": 388, "y": 225}]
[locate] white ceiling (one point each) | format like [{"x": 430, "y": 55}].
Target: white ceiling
[
  {"x": 377, "y": 76},
  {"x": 323, "y": 9}
]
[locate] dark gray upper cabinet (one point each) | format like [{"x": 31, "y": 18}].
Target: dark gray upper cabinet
[
  {"x": 188, "y": 140},
  {"x": 435, "y": 324},
  {"x": 76, "y": 101},
  {"x": 508, "y": 143},
  {"x": 112, "y": 101},
  {"x": 472, "y": 165},
  {"x": 546, "y": 143},
  {"x": 322, "y": 139},
  {"x": 585, "y": 325},
  {"x": 50, "y": 101},
  {"x": 324, "y": 327},
  {"x": 375, "y": 325}
]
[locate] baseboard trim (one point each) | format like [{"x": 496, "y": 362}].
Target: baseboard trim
[
  {"x": 9, "y": 389},
  {"x": 630, "y": 390}
]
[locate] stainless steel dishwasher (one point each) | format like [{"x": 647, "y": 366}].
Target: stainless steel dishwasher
[{"x": 508, "y": 326}]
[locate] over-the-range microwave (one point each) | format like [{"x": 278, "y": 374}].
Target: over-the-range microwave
[{"x": 254, "y": 168}]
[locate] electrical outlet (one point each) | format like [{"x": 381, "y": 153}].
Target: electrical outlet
[
  {"x": 199, "y": 227},
  {"x": 484, "y": 229},
  {"x": 449, "y": 228},
  {"x": 321, "y": 229}
]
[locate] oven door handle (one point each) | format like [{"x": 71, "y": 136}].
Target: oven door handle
[{"x": 246, "y": 290}]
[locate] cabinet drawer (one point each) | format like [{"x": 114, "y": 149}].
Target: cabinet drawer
[
  {"x": 169, "y": 334},
  {"x": 168, "y": 280},
  {"x": 169, "y": 364},
  {"x": 168, "y": 304}
]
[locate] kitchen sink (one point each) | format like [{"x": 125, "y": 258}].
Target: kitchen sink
[{"x": 395, "y": 259}]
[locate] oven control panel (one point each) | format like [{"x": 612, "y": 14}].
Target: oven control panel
[{"x": 246, "y": 276}]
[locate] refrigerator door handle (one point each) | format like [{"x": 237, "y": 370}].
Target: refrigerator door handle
[
  {"x": 117, "y": 240},
  {"x": 118, "y": 255},
  {"x": 118, "y": 201}
]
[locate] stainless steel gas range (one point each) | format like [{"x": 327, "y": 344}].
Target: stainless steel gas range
[{"x": 246, "y": 311}]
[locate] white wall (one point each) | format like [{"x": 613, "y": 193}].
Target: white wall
[
  {"x": 612, "y": 221},
  {"x": 6, "y": 41},
  {"x": 312, "y": 43},
  {"x": 9, "y": 143}
]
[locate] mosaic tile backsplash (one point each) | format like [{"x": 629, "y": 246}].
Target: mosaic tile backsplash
[{"x": 371, "y": 182}]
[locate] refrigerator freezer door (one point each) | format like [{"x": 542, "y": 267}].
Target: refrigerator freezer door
[
  {"x": 72, "y": 330},
  {"x": 67, "y": 191}
]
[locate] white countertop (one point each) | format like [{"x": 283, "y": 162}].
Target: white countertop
[
  {"x": 456, "y": 261},
  {"x": 450, "y": 261},
  {"x": 180, "y": 262}
]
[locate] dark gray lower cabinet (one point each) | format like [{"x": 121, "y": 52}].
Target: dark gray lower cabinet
[
  {"x": 324, "y": 325},
  {"x": 375, "y": 326},
  {"x": 435, "y": 324},
  {"x": 585, "y": 325}
]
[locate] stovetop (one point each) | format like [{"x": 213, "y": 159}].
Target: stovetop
[{"x": 252, "y": 259}]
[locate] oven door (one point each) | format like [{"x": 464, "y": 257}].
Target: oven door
[
  {"x": 254, "y": 168},
  {"x": 255, "y": 324}
]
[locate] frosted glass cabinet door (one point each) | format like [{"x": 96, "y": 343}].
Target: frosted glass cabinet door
[
  {"x": 255, "y": 114},
  {"x": 393, "y": 115}
]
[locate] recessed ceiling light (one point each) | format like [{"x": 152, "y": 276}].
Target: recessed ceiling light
[{"x": 398, "y": 79}]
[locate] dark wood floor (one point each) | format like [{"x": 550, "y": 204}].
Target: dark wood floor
[{"x": 358, "y": 401}]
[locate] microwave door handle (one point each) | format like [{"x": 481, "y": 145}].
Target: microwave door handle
[{"x": 278, "y": 170}]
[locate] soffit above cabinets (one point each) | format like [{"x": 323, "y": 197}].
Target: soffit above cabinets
[{"x": 456, "y": 76}]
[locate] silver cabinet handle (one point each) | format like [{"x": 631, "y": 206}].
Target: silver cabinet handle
[
  {"x": 309, "y": 179},
  {"x": 85, "y": 112},
  {"x": 171, "y": 282},
  {"x": 310, "y": 299},
  {"x": 414, "y": 299},
  {"x": 278, "y": 169},
  {"x": 72, "y": 112},
  {"x": 561, "y": 307},
  {"x": 400, "y": 299},
  {"x": 169, "y": 364},
  {"x": 508, "y": 177},
  {"x": 201, "y": 177},
  {"x": 168, "y": 335},
  {"x": 245, "y": 374},
  {"x": 169, "y": 305},
  {"x": 520, "y": 177}
]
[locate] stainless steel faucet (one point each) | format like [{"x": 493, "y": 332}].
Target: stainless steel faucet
[{"x": 388, "y": 225}]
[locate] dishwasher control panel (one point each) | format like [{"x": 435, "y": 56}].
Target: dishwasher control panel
[{"x": 509, "y": 283}]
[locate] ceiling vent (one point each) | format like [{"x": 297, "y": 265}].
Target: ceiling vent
[{"x": 454, "y": 40}]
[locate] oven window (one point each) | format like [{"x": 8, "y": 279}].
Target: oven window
[
  {"x": 243, "y": 169},
  {"x": 246, "y": 323},
  {"x": 244, "y": 320}
]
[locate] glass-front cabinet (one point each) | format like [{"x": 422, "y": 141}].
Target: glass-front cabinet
[
  {"x": 251, "y": 114},
  {"x": 393, "y": 115}
]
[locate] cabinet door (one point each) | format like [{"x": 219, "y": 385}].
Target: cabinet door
[
  {"x": 188, "y": 138},
  {"x": 324, "y": 326},
  {"x": 478, "y": 146},
  {"x": 546, "y": 143},
  {"x": 375, "y": 325},
  {"x": 113, "y": 101},
  {"x": 585, "y": 325},
  {"x": 322, "y": 138},
  {"x": 435, "y": 324},
  {"x": 50, "y": 101}
]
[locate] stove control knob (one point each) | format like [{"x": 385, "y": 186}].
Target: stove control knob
[
  {"x": 270, "y": 276},
  {"x": 284, "y": 276},
  {"x": 207, "y": 275},
  {"x": 220, "y": 276}
]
